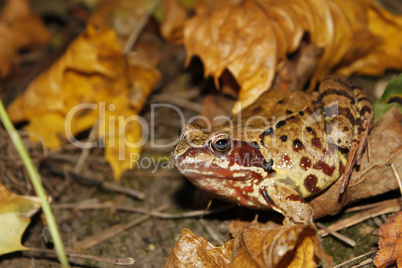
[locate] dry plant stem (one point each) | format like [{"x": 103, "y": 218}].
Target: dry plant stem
[
  {"x": 369, "y": 206},
  {"x": 397, "y": 176},
  {"x": 339, "y": 236},
  {"x": 85, "y": 152},
  {"x": 195, "y": 213},
  {"x": 389, "y": 207},
  {"x": 179, "y": 102},
  {"x": 35, "y": 179},
  {"x": 112, "y": 232},
  {"x": 355, "y": 260},
  {"x": 214, "y": 235},
  {"x": 126, "y": 261}
]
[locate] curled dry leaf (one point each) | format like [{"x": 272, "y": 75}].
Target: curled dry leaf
[
  {"x": 294, "y": 246},
  {"x": 20, "y": 28},
  {"x": 15, "y": 213},
  {"x": 253, "y": 39},
  {"x": 375, "y": 176},
  {"x": 91, "y": 82},
  {"x": 174, "y": 17},
  {"x": 390, "y": 243}
]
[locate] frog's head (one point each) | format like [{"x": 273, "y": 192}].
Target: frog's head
[{"x": 217, "y": 161}]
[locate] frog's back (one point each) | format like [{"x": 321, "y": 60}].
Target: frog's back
[{"x": 293, "y": 140}]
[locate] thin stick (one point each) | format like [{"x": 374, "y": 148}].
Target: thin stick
[
  {"x": 82, "y": 159},
  {"x": 215, "y": 236},
  {"x": 341, "y": 237},
  {"x": 196, "y": 213},
  {"x": 36, "y": 182},
  {"x": 390, "y": 207},
  {"x": 111, "y": 232},
  {"x": 126, "y": 261},
  {"x": 356, "y": 259},
  {"x": 397, "y": 177}
]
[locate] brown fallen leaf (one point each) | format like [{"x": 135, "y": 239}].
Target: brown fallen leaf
[
  {"x": 295, "y": 246},
  {"x": 390, "y": 243},
  {"x": 229, "y": 35},
  {"x": 20, "y": 28},
  {"x": 91, "y": 82},
  {"x": 375, "y": 176}
]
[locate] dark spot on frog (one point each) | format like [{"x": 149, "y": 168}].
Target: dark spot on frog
[
  {"x": 301, "y": 113},
  {"x": 284, "y": 138},
  {"x": 295, "y": 197},
  {"x": 267, "y": 166},
  {"x": 290, "y": 118},
  {"x": 305, "y": 163},
  {"x": 310, "y": 130},
  {"x": 280, "y": 124},
  {"x": 325, "y": 168},
  {"x": 289, "y": 112},
  {"x": 281, "y": 102},
  {"x": 268, "y": 132},
  {"x": 254, "y": 145},
  {"x": 339, "y": 141},
  {"x": 345, "y": 128},
  {"x": 266, "y": 196},
  {"x": 335, "y": 110},
  {"x": 310, "y": 182},
  {"x": 364, "y": 110},
  {"x": 257, "y": 110},
  {"x": 298, "y": 145},
  {"x": 316, "y": 142},
  {"x": 262, "y": 143}
]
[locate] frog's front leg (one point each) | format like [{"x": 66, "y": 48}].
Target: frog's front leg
[{"x": 288, "y": 202}]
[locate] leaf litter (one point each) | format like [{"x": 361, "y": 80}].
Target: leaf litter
[{"x": 151, "y": 241}]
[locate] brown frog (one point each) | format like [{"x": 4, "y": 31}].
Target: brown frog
[{"x": 281, "y": 149}]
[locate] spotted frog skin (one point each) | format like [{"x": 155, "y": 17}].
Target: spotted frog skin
[{"x": 281, "y": 149}]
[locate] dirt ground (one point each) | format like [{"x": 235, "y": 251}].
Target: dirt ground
[{"x": 114, "y": 231}]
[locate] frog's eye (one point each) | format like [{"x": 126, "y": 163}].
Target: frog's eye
[{"x": 221, "y": 144}]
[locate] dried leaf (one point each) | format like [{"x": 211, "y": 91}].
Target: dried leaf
[
  {"x": 229, "y": 35},
  {"x": 295, "y": 246},
  {"x": 390, "y": 242},
  {"x": 375, "y": 176},
  {"x": 20, "y": 28},
  {"x": 91, "y": 82},
  {"x": 285, "y": 246},
  {"x": 195, "y": 251},
  {"x": 15, "y": 213}
]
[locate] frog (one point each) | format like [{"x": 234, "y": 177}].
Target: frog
[{"x": 285, "y": 147}]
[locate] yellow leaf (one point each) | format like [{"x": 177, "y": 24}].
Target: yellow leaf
[
  {"x": 15, "y": 213},
  {"x": 90, "y": 83}
]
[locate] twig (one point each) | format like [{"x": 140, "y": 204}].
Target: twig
[
  {"x": 215, "y": 236},
  {"x": 82, "y": 160},
  {"x": 90, "y": 181},
  {"x": 341, "y": 237},
  {"x": 397, "y": 177},
  {"x": 355, "y": 260},
  {"x": 195, "y": 213},
  {"x": 126, "y": 261},
  {"x": 389, "y": 207},
  {"x": 112, "y": 231}
]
